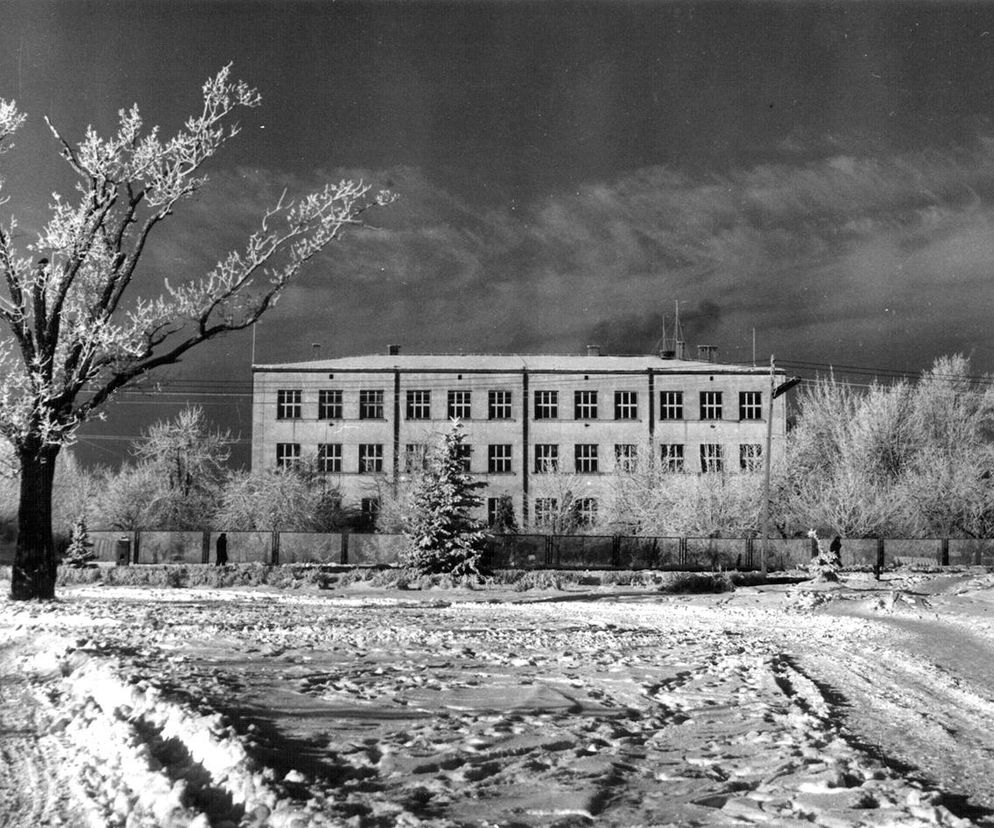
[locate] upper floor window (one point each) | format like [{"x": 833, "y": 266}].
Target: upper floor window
[
  {"x": 499, "y": 405},
  {"x": 287, "y": 455},
  {"x": 625, "y": 456},
  {"x": 711, "y": 457},
  {"x": 460, "y": 405},
  {"x": 671, "y": 405},
  {"x": 626, "y": 405},
  {"x": 671, "y": 457},
  {"x": 464, "y": 453},
  {"x": 329, "y": 404},
  {"x": 330, "y": 457},
  {"x": 499, "y": 458},
  {"x": 750, "y": 457},
  {"x": 710, "y": 405},
  {"x": 288, "y": 404},
  {"x": 546, "y": 405},
  {"x": 370, "y": 405},
  {"x": 750, "y": 405},
  {"x": 546, "y": 458},
  {"x": 585, "y": 405},
  {"x": 586, "y": 458},
  {"x": 419, "y": 405},
  {"x": 370, "y": 458}
]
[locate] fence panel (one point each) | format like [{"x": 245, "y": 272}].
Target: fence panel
[
  {"x": 913, "y": 551},
  {"x": 648, "y": 553},
  {"x": 171, "y": 547},
  {"x": 516, "y": 552},
  {"x": 714, "y": 553},
  {"x": 243, "y": 547},
  {"x": 105, "y": 545},
  {"x": 370, "y": 550},
  {"x": 583, "y": 551},
  {"x": 310, "y": 547},
  {"x": 971, "y": 551}
]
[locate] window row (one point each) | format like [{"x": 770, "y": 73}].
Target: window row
[
  {"x": 459, "y": 405},
  {"x": 586, "y": 457}
]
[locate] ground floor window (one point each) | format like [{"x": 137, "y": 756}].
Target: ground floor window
[
  {"x": 287, "y": 455},
  {"x": 711, "y": 458}
]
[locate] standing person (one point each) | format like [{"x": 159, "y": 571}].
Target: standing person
[
  {"x": 222, "y": 549},
  {"x": 836, "y": 549}
]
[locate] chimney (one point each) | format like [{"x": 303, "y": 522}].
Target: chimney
[
  {"x": 393, "y": 350},
  {"x": 593, "y": 350}
]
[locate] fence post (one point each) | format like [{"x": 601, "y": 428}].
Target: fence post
[
  {"x": 135, "y": 544},
  {"x": 205, "y": 546},
  {"x": 345, "y": 547},
  {"x": 548, "y": 551},
  {"x": 881, "y": 559},
  {"x": 274, "y": 547},
  {"x": 615, "y": 551},
  {"x": 944, "y": 553}
]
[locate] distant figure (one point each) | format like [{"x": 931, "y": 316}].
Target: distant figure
[
  {"x": 222, "y": 549},
  {"x": 836, "y": 549}
]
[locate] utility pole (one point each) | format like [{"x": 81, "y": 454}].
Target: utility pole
[{"x": 775, "y": 391}]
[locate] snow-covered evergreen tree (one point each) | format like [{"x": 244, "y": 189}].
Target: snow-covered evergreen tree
[
  {"x": 505, "y": 523},
  {"x": 79, "y": 553},
  {"x": 444, "y": 537}
]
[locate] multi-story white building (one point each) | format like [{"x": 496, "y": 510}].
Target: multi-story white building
[{"x": 530, "y": 420}]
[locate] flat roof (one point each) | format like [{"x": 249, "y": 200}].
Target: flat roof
[{"x": 511, "y": 363}]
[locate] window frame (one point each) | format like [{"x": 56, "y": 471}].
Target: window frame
[
  {"x": 671, "y": 405},
  {"x": 456, "y": 404},
  {"x": 330, "y": 404},
  {"x": 626, "y": 405},
  {"x": 504, "y": 461},
  {"x": 546, "y": 404},
  {"x": 324, "y": 458},
  {"x": 751, "y": 457},
  {"x": 417, "y": 404},
  {"x": 750, "y": 405},
  {"x": 371, "y": 404},
  {"x": 370, "y": 453},
  {"x": 585, "y": 404},
  {"x": 585, "y": 511},
  {"x": 547, "y": 464},
  {"x": 585, "y": 458},
  {"x": 712, "y": 458},
  {"x": 626, "y": 457},
  {"x": 287, "y": 455},
  {"x": 289, "y": 403},
  {"x": 499, "y": 404},
  {"x": 415, "y": 457},
  {"x": 672, "y": 457},
  {"x": 712, "y": 407},
  {"x": 546, "y": 510}
]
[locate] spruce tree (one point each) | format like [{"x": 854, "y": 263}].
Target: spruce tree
[
  {"x": 79, "y": 553},
  {"x": 444, "y": 538}
]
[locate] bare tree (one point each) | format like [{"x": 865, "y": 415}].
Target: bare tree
[{"x": 74, "y": 338}]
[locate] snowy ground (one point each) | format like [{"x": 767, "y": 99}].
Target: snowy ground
[{"x": 836, "y": 705}]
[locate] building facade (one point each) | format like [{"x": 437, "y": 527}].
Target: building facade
[{"x": 540, "y": 428}]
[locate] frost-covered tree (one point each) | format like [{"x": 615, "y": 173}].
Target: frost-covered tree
[
  {"x": 77, "y": 334},
  {"x": 270, "y": 500},
  {"x": 444, "y": 536},
  {"x": 79, "y": 553}
]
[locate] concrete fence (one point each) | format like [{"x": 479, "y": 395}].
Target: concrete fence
[{"x": 531, "y": 551}]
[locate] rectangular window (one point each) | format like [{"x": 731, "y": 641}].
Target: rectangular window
[
  {"x": 625, "y": 456},
  {"x": 546, "y": 458},
  {"x": 711, "y": 458},
  {"x": 460, "y": 407},
  {"x": 370, "y": 458},
  {"x": 546, "y": 509},
  {"x": 546, "y": 405},
  {"x": 419, "y": 405},
  {"x": 370, "y": 405},
  {"x": 710, "y": 405},
  {"x": 671, "y": 456},
  {"x": 288, "y": 404},
  {"x": 499, "y": 405},
  {"x": 287, "y": 455},
  {"x": 586, "y": 511},
  {"x": 369, "y": 507},
  {"x": 464, "y": 453},
  {"x": 750, "y": 405},
  {"x": 499, "y": 458},
  {"x": 329, "y": 404},
  {"x": 671, "y": 405},
  {"x": 626, "y": 405},
  {"x": 586, "y": 458},
  {"x": 585, "y": 405},
  {"x": 330, "y": 457},
  {"x": 751, "y": 457},
  {"x": 493, "y": 504},
  {"x": 414, "y": 457}
]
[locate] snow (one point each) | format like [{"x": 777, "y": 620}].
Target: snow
[{"x": 835, "y": 704}]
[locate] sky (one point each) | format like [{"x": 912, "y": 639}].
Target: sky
[{"x": 817, "y": 178}]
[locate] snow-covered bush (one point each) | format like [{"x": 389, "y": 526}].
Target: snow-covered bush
[{"x": 79, "y": 553}]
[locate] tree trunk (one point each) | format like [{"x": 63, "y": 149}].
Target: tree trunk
[{"x": 33, "y": 574}]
